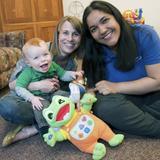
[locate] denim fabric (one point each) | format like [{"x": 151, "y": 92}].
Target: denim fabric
[{"x": 16, "y": 110}]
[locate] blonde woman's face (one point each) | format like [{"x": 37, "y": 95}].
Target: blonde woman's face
[{"x": 69, "y": 39}]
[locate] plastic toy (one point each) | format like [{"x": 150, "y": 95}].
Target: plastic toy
[
  {"x": 77, "y": 89},
  {"x": 82, "y": 128},
  {"x": 134, "y": 16}
]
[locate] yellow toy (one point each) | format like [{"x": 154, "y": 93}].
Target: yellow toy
[
  {"x": 82, "y": 128},
  {"x": 134, "y": 16}
]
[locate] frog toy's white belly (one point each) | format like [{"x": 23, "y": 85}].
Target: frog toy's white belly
[{"x": 83, "y": 128}]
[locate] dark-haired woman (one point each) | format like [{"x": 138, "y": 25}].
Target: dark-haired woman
[{"x": 122, "y": 63}]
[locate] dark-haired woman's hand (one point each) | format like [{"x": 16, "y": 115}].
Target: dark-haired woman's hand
[{"x": 105, "y": 87}]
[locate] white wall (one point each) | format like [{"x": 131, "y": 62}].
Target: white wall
[
  {"x": 75, "y": 7},
  {"x": 151, "y": 9}
]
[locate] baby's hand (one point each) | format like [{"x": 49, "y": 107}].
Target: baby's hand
[
  {"x": 79, "y": 75},
  {"x": 36, "y": 103}
]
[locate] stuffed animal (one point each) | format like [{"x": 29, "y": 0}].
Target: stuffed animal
[{"x": 82, "y": 128}]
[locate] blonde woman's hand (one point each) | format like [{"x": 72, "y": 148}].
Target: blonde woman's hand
[
  {"x": 46, "y": 85},
  {"x": 105, "y": 87}
]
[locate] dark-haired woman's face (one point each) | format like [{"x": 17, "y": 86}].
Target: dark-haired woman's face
[{"x": 104, "y": 28}]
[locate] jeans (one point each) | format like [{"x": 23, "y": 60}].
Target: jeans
[
  {"x": 16, "y": 110},
  {"x": 139, "y": 115}
]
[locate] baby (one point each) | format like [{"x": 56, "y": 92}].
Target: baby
[{"x": 40, "y": 66}]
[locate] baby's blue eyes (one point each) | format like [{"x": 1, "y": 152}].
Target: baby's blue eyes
[{"x": 45, "y": 54}]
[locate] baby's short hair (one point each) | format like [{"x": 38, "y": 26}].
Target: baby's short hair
[{"x": 33, "y": 42}]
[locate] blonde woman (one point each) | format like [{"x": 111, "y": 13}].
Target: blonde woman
[{"x": 66, "y": 51}]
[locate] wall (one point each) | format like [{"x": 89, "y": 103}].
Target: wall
[{"x": 151, "y": 9}]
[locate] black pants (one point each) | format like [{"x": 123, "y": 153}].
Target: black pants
[{"x": 139, "y": 115}]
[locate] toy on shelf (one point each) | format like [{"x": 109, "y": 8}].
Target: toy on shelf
[
  {"x": 82, "y": 128},
  {"x": 134, "y": 16}
]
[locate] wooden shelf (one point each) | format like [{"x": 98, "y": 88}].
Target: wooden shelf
[{"x": 38, "y": 18}]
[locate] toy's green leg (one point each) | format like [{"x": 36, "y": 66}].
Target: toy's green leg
[
  {"x": 116, "y": 140},
  {"x": 99, "y": 151}
]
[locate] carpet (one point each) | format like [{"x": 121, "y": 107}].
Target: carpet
[{"x": 133, "y": 148}]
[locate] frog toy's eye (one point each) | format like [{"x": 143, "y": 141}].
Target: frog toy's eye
[
  {"x": 50, "y": 115},
  {"x": 60, "y": 101}
]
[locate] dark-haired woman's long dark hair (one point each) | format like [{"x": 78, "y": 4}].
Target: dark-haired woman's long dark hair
[{"x": 93, "y": 63}]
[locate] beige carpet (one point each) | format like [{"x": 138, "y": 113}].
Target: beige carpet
[{"x": 133, "y": 148}]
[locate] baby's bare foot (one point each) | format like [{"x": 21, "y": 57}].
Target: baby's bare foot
[{"x": 26, "y": 132}]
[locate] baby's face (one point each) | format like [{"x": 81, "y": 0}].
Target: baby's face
[{"x": 39, "y": 58}]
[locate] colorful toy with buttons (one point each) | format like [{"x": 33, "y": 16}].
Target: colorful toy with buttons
[
  {"x": 82, "y": 128},
  {"x": 134, "y": 16}
]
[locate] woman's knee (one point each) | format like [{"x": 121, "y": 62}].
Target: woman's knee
[
  {"x": 108, "y": 104},
  {"x": 7, "y": 106},
  {"x": 125, "y": 115},
  {"x": 16, "y": 111},
  {"x": 115, "y": 109}
]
